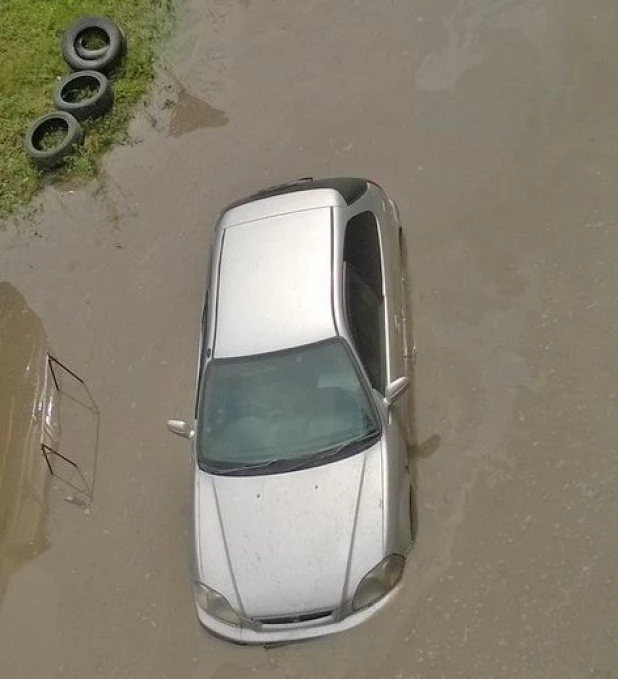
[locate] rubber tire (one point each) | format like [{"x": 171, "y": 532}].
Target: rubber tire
[
  {"x": 88, "y": 54},
  {"x": 93, "y": 107},
  {"x": 106, "y": 61},
  {"x": 55, "y": 156}
]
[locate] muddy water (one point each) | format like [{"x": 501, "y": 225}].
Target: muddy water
[
  {"x": 493, "y": 124},
  {"x": 190, "y": 113},
  {"x": 26, "y": 413}
]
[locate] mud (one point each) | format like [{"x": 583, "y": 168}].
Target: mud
[{"x": 492, "y": 123}]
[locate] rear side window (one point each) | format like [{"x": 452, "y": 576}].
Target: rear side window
[
  {"x": 364, "y": 297},
  {"x": 361, "y": 250}
]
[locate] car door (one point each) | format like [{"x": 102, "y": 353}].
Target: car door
[
  {"x": 371, "y": 328},
  {"x": 401, "y": 342},
  {"x": 394, "y": 260}
]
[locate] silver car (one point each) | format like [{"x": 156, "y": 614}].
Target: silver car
[{"x": 302, "y": 496}]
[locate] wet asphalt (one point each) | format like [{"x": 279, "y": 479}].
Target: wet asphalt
[{"x": 493, "y": 125}]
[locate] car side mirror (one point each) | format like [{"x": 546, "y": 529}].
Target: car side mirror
[
  {"x": 395, "y": 390},
  {"x": 181, "y": 428}
]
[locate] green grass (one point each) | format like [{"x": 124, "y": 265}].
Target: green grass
[
  {"x": 31, "y": 62},
  {"x": 52, "y": 139}
]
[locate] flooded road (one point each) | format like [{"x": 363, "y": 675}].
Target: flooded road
[{"x": 493, "y": 125}]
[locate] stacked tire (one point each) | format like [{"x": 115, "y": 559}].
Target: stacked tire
[{"x": 92, "y": 46}]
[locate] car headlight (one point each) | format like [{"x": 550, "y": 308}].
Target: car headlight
[
  {"x": 215, "y": 604},
  {"x": 379, "y": 581}
]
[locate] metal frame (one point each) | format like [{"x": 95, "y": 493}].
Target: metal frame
[
  {"x": 48, "y": 451},
  {"x": 51, "y": 360}
]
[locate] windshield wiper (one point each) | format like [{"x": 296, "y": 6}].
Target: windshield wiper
[
  {"x": 286, "y": 464},
  {"x": 327, "y": 453},
  {"x": 241, "y": 467}
]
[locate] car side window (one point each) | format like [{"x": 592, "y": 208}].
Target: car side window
[{"x": 364, "y": 298}]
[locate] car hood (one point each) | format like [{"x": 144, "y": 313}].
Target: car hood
[{"x": 291, "y": 543}]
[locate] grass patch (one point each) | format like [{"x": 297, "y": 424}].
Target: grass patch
[
  {"x": 31, "y": 62},
  {"x": 51, "y": 139},
  {"x": 77, "y": 93}
]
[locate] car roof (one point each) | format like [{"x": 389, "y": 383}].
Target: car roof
[{"x": 274, "y": 288}]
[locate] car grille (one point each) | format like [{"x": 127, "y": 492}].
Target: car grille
[{"x": 295, "y": 619}]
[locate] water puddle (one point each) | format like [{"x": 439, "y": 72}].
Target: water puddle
[
  {"x": 191, "y": 113},
  {"x": 28, "y": 407}
]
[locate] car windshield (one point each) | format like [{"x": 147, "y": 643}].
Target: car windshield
[{"x": 282, "y": 410}]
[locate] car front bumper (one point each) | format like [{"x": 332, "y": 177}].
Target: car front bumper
[{"x": 261, "y": 633}]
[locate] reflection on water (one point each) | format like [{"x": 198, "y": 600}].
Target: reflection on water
[{"x": 28, "y": 406}]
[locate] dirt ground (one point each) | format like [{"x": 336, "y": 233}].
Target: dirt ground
[{"x": 493, "y": 124}]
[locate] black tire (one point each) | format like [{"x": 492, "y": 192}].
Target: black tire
[
  {"x": 51, "y": 122},
  {"x": 102, "y": 59},
  {"x": 85, "y": 52},
  {"x": 94, "y": 106}
]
